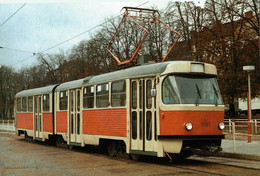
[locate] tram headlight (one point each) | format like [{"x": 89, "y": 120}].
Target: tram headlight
[
  {"x": 221, "y": 125},
  {"x": 188, "y": 126}
]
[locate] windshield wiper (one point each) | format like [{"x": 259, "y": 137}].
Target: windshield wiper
[
  {"x": 215, "y": 94},
  {"x": 198, "y": 95}
]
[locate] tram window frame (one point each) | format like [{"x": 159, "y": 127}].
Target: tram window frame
[
  {"x": 46, "y": 102},
  {"x": 102, "y": 95},
  {"x": 30, "y": 104},
  {"x": 118, "y": 93},
  {"x": 88, "y": 94},
  {"x": 63, "y": 100},
  {"x": 19, "y": 104},
  {"x": 24, "y": 104}
]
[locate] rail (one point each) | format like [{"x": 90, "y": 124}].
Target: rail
[{"x": 242, "y": 127}]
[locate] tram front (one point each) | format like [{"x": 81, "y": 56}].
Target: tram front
[{"x": 191, "y": 109}]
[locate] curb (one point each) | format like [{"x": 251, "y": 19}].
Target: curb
[{"x": 228, "y": 155}]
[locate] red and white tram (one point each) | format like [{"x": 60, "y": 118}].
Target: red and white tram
[{"x": 157, "y": 109}]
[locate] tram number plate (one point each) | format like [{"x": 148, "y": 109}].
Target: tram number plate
[{"x": 205, "y": 124}]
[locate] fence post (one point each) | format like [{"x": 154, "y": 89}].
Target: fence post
[
  {"x": 249, "y": 131},
  {"x": 229, "y": 125},
  {"x": 255, "y": 126},
  {"x": 234, "y": 136}
]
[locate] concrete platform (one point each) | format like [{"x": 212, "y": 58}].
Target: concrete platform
[{"x": 241, "y": 147}]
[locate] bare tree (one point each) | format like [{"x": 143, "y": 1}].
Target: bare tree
[{"x": 188, "y": 19}]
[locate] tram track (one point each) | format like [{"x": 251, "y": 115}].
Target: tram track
[{"x": 208, "y": 165}]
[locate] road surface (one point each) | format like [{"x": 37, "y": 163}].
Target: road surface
[{"x": 18, "y": 157}]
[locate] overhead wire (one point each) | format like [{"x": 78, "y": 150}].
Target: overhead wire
[
  {"x": 86, "y": 31},
  {"x": 12, "y": 15},
  {"x": 54, "y": 46},
  {"x": 3, "y": 47}
]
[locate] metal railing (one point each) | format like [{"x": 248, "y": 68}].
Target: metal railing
[
  {"x": 242, "y": 124},
  {"x": 245, "y": 128}
]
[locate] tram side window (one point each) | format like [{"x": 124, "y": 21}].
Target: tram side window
[
  {"x": 78, "y": 98},
  {"x": 63, "y": 100},
  {"x": 46, "y": 102},
  {"x": 148, "y": 94},
  {"x": 134, "y": 125},
  {"x": 30, "y": 104},
  {"x": 24, "y": 104},
  {"x": 169, "y": 91},
  {"x": 148, "y": 125},
  {"x": 88, "y": 97},
  {"x": 102, "y": 95},
  {"x": 19, "y": 104},
  {"x": 134, "y": 95},
  {"x": 141, "y": 94},
  {"x": 118, "y": 93}
]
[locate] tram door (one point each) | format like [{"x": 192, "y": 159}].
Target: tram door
[
  {"x": 143, "y": 115},
  {"x": 74, "y": 116},
  {"x": 38, "y": 116}
]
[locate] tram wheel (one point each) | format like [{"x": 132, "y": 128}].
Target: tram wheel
[
  {"x": 26, "y": 137},
  {"x": 181, "y": 156},
  {"x": 60, "y": 142},
  {"x": 111, "y": 149},
  {"x": 70, "y": 147},
  {"x": 135, "y": 157}
]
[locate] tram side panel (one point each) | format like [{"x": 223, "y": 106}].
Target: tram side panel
[
  {"x": 47, "y": 122},
  {"x": 61, "y": 125},
  {"x": 110, "y": 122},
  {"x": 24, "y": 122},
  {"x": 61, "y": 122}
]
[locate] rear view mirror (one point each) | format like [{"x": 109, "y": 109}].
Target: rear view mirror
[{"x": 153, "y": 92}]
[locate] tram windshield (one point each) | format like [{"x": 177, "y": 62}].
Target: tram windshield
[{"x": 190, "y": 89}]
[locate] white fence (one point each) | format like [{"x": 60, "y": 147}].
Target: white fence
[{"x": 7, "y": 126}]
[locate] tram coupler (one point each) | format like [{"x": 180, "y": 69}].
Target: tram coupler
[{"x": 169, "y": 156}]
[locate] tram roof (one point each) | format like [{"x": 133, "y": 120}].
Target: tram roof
[
  {"x": 134, "y": 72},
  {"x": 70, "y": 84},
  {"x": 138, "y": 71},
  {"x": 150, "y": 70},
  {"x": 36, "y": 91}
]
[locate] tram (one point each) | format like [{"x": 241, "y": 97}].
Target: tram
[{"x": 160, "y": 109}]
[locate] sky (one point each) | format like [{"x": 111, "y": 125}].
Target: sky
[{"x": 40, "y": 25}]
